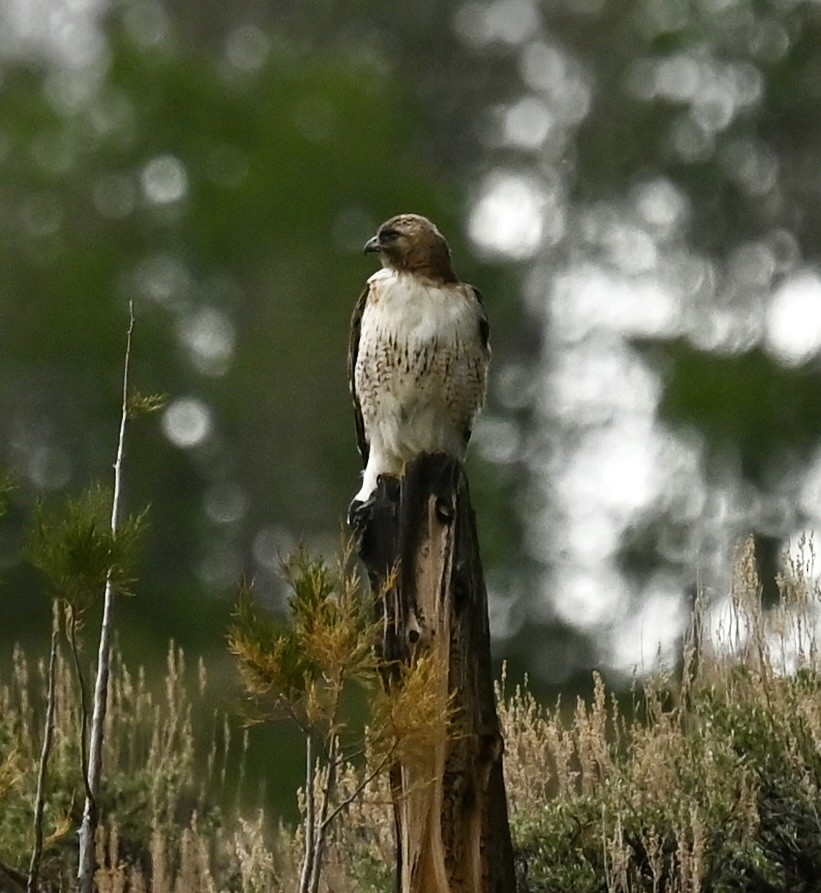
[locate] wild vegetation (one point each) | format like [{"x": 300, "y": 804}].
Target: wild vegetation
[
  {"x": 706, "y": 781},
  {"x": 223, "y": 164},
  {"x": 225, "y": 182}
]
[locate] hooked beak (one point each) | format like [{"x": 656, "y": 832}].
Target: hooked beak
[{"x": 372, "y": 245}]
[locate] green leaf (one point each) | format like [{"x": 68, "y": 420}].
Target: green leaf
[{"x": 76, "y": 549}]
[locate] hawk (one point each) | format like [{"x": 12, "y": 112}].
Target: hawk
[{"x": 418, "y": 355}]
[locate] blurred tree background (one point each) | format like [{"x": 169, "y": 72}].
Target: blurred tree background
[{"x": 635, "y": 187}]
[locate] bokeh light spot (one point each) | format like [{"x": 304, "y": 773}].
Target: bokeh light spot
[
  {"x": 48, "y": 468},
  {"x": 502, "y": 21},
  {"x": 209, "y": 336},
  {"x": 506, "y": 219},
  {"x": 164, "y": 180},
  {"x": 794, "y": 319},
  {"x": 187, "y": 422},
  {"x": 146, "y": 23},
  {"x": 527, "y": 123},
  {"x": 225, "y": 502},
  {"x": 271, "y": 545},
  {"x": 247, "y": 47},
  {"x": 661, "y": 204},
  {"x": 163, "y": 278}
]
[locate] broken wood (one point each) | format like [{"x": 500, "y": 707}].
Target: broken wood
[{"x": 419, "y": 543}]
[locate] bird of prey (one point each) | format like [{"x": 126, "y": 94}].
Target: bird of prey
[{"x": 418, "y": 355}]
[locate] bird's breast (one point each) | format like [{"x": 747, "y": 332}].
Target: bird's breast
[
  {"x": 420, "y": 350},
  {"x": 408, "y": 313}
]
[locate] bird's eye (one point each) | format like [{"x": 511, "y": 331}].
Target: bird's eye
[{"x": 388, "y": 235}]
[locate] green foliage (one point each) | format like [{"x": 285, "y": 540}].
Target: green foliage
[
  {"x": 735, "y": 806},
  {"x": 145, "y": 404},
  {"x": 332, "y": 616},
  {"x": 162, "y": 769},
  {"x": 712, "y": 785},
  {"x": 348, "y": 113},
  {"x": 288, "y": 166},
  {"x": 559, "y": 850},
  {"x": 370, "y": 874},
  {"x": 302, "y": 667},
  {"x": 724, "y": 398},
  {"x": 271, "y": 659},
  {"x": 76, "y": 549},
  {"x": 780, "y": 746}
]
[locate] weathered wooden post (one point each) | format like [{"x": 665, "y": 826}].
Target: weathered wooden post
[{"x": 451, "y": 814}]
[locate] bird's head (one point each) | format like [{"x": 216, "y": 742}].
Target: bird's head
[{"x": 410, "y": 243}]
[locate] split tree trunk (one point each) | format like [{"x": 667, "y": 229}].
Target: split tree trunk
[{"x": 451, "y": 814}]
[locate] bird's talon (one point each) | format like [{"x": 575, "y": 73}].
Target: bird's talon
[{"x": 359, "y": 513}]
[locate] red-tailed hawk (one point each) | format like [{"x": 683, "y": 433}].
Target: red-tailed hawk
[{"x": 419, "y": 353}]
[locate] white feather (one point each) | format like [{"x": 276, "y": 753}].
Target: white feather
[{"x": 420, "y": 371}]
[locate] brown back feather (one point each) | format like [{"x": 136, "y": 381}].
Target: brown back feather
[{"x": 353, "y": 350}]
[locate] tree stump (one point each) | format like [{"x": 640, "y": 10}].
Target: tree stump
[{"x": 451, "y": 814}]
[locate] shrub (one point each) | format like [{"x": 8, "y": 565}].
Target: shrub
[{"x": 709, "y": 783}]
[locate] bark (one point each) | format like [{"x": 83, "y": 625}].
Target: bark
[{"x": 451, "y": 814}]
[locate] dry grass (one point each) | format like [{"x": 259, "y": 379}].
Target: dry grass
[
  {"x": 708, "y": 781},
  {"x": 710, "y": 784},
  {"x": 164, "y": 828}
]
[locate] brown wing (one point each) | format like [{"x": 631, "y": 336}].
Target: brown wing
[
  {"x": 484, "y": 341},
  {"x": 484, "y": 325},
  {"x": 353, "y": 350}
]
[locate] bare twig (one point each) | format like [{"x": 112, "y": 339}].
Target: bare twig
[
  {"x": 48, "y": 731},
  {"x": 320, "y": 834},
  {"x": 344, "y": 804},
  {"x": 318, "y": 822},
  {"x": 319, "y": 817},
  {"x": 310, "y": 769},
  {"x": 74, "y": 648},
  {"x": 91, "y": 816}
]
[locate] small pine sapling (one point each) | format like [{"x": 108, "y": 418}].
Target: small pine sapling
[
  {"x": 85, "y": 550},
  {"x": 301, "y": 669}
]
